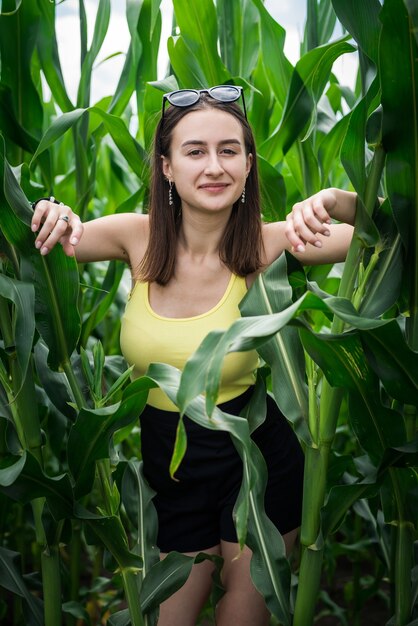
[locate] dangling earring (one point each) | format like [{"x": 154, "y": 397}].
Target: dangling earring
[
  {"x": 170, "y": 193},
  {"x": 243, "y": 196}
]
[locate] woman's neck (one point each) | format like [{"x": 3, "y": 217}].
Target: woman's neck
[{"x": 200, "y": 235}]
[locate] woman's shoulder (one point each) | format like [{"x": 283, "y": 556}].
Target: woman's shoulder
[
  {"x": 119, "y": 223},
  {"x": 274, "y": 241},
  {"x": 137, "y": 220},
  {"x": 136, "y": 235},
  {"x": 122, "y": 236},
  {"x": 128, "y": 225}
]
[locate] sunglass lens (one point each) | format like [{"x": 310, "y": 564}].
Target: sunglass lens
[
  {"x": 225, "y": 93},
  {"x": 183, "y": 97}
]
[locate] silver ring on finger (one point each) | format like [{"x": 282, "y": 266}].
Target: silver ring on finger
[{"x": 64, "y": 217}]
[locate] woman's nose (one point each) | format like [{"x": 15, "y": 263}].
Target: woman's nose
[{"x": 213, "y": 164}]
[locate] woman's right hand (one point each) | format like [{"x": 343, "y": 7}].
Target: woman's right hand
[{"x": 56, "y": 223}]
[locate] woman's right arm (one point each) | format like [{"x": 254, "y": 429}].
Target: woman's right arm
[{"x": 117, "y": 236}]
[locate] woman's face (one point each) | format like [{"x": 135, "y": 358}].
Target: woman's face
[{"x": 208, "y": 163}]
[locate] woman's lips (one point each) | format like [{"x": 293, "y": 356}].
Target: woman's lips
[{"x": 213, "y": 187}]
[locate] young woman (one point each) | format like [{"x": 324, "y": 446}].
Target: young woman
[{"x": 192, "y": 260}]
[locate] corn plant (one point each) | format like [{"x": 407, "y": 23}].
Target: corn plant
[{"x": 340, "y": 348}]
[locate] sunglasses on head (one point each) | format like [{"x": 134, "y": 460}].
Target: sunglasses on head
[{"x": 187, "y": 97}]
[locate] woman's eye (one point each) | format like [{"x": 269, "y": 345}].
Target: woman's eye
[
  {"x": 195, "y": 152},
  {"x": 228, "y": 151}
]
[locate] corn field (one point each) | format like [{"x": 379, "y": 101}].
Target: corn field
[{"x": 339, "y": 343}]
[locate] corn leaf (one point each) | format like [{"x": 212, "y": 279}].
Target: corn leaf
[
  {"x": 239, "y": 39},
  {"x": 149, "y": 32},
  {"x": 353, "y": 150},
  {"x": 393, "y": 361},
  {"x": 180, "y": 447},
  {"x": 260, "y": 110},
  {"x": 340, "y": 499},
  {"x": 10, "y": 125},
  {"x": 127, "y": 79},
  {"x": 76, "y": 609},
  {"x": 320, "y": 24},
  {"x": 361, "y": 19},
  {"x": 11, "y": 579},
  {"x": 17, "y": 42},
  {"x": 165, "y": 578},
  {"x": 400, "y": 485},
  {"x": 55, "y": 278},
  {"x": 23, "y": 297},
  {"x": 47, "y": 49},
  {"x": 168, "y": 575},
  {"x": 137, "y": 500},
  {"x": 8, "y": 8},
  {"x": 129, "y": 147},
  {"x": 308, "y": 81},
  {"x": 273, "y": 192},
  {"x": 112, "y": 534},
  {"x": 198, "y": 26},
  {"x": 412, "y": 9},
  {"x": 330, "y": 147},
  {"x": 186, "y": 66},
  {"x": 105, "y": 299},
  {"x": 272, "y": 293},
  {"x": 90, "y": 436},
  {"x": 120, "y": 618},
  {"x": 270, "y": 570},
  {"x": 54, "y": 383},
  {"x": 100, "y": 29},
  {"x": 384, "y": 285},
  {"x": 399, "y": 49},
  {"x": 342, "y": 361},
  {"x": 278, "y": 69},
  {"x": 401, "y": 456},
  {"x": 23, "y": 480},
  {"x": 203, "y": 369}
]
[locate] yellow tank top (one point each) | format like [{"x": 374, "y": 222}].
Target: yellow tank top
[{"x": 147, "y": 337}]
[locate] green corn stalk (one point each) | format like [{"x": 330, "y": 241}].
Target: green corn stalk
[
  {"x": 57, "y": 339},
  {"x": 330, "y": 399},
  {"x": 399, "y": 23},
  {"x": 22, "y": 401},
  {"x": 317, "y": 455}
]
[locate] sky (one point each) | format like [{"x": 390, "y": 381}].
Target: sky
[{"x": 289, "y": 13}]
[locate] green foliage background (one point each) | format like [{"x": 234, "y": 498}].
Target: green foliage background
[{"x": 77, "y": 525}]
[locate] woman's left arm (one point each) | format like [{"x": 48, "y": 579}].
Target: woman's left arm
[{"x": 308, "y": 232}]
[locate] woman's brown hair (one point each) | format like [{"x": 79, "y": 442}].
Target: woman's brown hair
[{"x": 241, "y": 245}]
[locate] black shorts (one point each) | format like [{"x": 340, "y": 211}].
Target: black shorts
[{"x": 195, "y": 513}]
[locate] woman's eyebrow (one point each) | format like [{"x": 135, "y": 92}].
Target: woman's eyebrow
[{"x": 199, "y": 142}]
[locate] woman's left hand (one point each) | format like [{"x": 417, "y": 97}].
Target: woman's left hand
[{"x": 312, "y": 217}]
